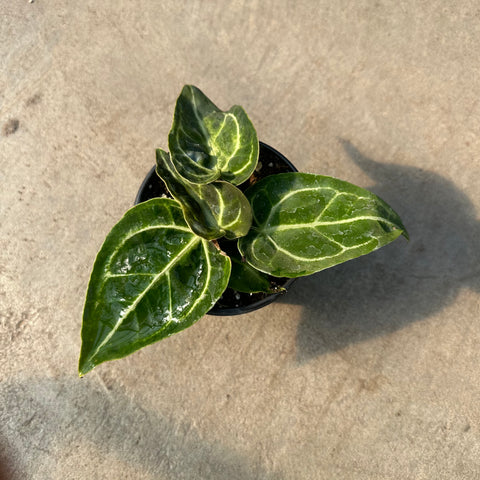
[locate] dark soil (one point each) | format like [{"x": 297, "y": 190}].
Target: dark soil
[{"x": 270, "y": 162}]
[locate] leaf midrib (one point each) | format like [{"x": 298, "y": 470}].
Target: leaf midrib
[
  {"x": 293, "y": 226},
  {"x": 224, "y": 160},
  {"x": 322, "y": 257},
  {"x": 132, "y": 307}
]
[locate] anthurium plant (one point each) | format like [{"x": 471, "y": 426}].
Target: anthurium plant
[{"x": 161, "y": 268}]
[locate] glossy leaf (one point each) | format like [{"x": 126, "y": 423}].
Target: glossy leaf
[
  {"x": 304, "y": 223},
  {"x": 208, "y": 144},
  {"x": 152, "y": 277},
  {"x": 211, "y": 210}
]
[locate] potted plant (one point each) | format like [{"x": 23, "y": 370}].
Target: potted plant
[
  {"x": 248, "y": 289},
  {"x": 168, "y": 261}
]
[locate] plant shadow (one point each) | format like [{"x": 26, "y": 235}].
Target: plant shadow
[
  {"x": 402, "y": 282},
  {"x": 6, "y": 468},
  {"x": 59, "y": 417}
]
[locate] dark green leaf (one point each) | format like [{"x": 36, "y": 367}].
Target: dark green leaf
[
  {"x": 245, "y": 278},
  {"x": 207, "y": 144},
  {"x": 152, "y": 277},
  {"x": 304, "y": 223},
  {"x": 211, "y": 210}
]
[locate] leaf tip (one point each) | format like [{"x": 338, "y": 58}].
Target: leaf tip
[
  {"x": 84, "y": 367},
  {"x": 403, "y": 231}
]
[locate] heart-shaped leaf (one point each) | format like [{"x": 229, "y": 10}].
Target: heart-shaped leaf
[
  {"x": 304, "y": 223},
  {"x": 152, "y": 277},
  {"x": 207, "y": 143},
  {"x": 212, "y": 210}
]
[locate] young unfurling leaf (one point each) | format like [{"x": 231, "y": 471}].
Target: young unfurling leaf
[
  {"x": 208, "y": 144},
  {"x": 212, "y": 210}
]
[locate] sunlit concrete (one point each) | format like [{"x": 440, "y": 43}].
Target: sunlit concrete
[{"x": 366, "y": 371}]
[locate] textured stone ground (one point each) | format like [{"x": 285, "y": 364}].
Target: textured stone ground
[{"x": 366, "y": 371}]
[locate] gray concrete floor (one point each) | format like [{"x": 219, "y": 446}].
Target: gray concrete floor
[{"x": 365, "y": 371}]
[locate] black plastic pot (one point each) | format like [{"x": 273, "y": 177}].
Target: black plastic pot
[{"x": 270, "y": 162}]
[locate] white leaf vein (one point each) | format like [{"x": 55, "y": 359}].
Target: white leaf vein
[{"x": 132, "y": 307}]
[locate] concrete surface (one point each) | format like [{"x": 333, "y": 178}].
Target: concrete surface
[{"x": 365, "y": 371}]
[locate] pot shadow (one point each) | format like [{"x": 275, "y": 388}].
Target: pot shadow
[
  {"x": 403, "y": 282},
  {"x": 51, "y": 421}
]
